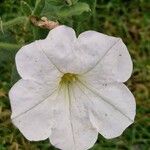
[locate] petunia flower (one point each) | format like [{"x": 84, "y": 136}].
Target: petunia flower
[{"x": 72, "y": 89}]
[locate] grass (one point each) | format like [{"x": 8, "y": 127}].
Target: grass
[{"x": 123, "y": 18}]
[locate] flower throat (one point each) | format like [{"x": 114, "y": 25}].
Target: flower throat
[{"x": 68, "y": 78}]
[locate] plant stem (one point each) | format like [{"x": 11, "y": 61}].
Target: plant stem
[{"x": 9, "y": 46}]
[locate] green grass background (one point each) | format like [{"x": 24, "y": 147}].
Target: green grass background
[{"x": 128, "y": 19}]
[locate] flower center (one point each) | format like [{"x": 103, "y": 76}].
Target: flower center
[{"x": 68, "y": 78}]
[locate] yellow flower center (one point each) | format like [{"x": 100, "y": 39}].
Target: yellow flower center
[{"x": 68, "y": 78}]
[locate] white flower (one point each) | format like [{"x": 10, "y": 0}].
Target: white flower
[{"x": 71, "y": 89}]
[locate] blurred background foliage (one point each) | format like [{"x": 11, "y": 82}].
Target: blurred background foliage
[{"x": 127, "y": 19}]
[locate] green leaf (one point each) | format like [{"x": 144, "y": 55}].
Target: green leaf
[
  {"x": 39, "y": 5},
  {"x": 51, "y": 8},
  {"x": 54, "y": 2},
  {"x": 71, "y": 2},
  {"x": 74, "y": 10},
  {"x": 56, "y": 9},
  {"x": 26, "y": 9}
]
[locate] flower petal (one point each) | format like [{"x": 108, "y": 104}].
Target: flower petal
[
  {"x": 112, "y": 60},
  {"x": 72, "y": 129},
  {"x": 32, "y": 63},
  {"x": 59, "y": 47},
  {"x": 112, "y": 108},
  {"x": 64, "y": 49},
  {"x": 31, "y": 111}
]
